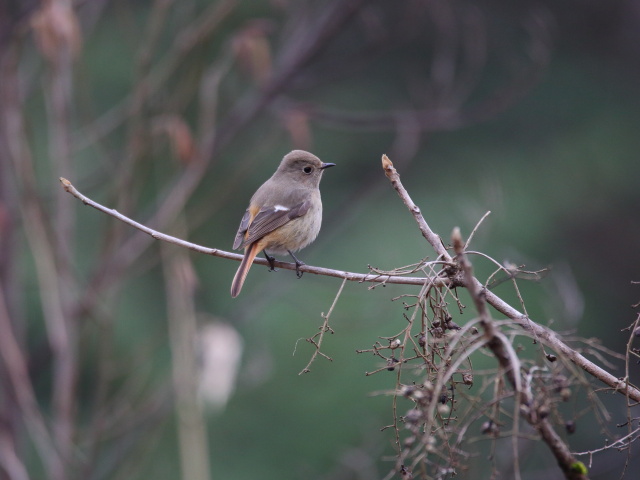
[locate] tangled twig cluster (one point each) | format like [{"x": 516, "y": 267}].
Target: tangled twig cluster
[{"x": 442, "y": 403}]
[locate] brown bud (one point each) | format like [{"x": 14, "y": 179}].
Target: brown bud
[
  {"x": 179, "y": 134},
  {"x": 297, "y": 124},
  {"x": 456, "y": 240},
  {"x": 56, "y": 29},
  {"x": 251, "y": 46}
]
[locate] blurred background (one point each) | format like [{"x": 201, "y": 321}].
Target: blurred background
[{"x": 174, "y": 112}]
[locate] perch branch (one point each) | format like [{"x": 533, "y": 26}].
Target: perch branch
[{"x": 350, "y": 276}]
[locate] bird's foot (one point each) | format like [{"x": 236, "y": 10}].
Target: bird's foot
[
  {"x": 299, "y": 263},
  {"x": 271, "y": 260}
]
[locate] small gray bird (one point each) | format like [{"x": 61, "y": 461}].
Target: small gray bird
[{"x": 284, "y": 214}]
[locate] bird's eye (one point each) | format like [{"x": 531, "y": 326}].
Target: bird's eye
[{"x": 307, "y": 170}]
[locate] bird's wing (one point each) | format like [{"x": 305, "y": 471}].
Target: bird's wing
[
  {"x": 266, "y": 221},
  {"x": 242, "y": 229}
]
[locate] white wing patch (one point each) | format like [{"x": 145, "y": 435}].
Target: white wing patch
[{"x": 280, "y": 208}]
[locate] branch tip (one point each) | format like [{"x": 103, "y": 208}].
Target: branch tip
[
  {"x": 456, "y": 239},
  {"x": 386, "y": 164}
]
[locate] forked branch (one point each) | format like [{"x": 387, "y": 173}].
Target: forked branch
[{"x": 543, "y": 334}]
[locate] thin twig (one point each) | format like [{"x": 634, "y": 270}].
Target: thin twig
[
  {"x": 58, "y": 94},
  {"x": 323, "y": 329},
  {"x": 473, "y": 232}
]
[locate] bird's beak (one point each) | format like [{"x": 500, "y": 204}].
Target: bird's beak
[{"x": 327, "y": 165}]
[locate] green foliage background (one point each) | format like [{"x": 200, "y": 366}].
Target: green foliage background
[{"x": 559, "y": 171}]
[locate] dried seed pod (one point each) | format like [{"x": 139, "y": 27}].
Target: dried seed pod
[
  {"x": 570, "y": 427},
  {"x": 405, "y": 473},
  {"x": 413, "y": 416},
  {"x": 544, "y": 411},
  {"x": 409, "y": 441},
  {"x": 450, "y": 325},
  {"x": 489, "y": 428},
  {"x": 407, "y": 390},
  {"x": 391, "y": 364},
  {"x": 559, "y": 382}
]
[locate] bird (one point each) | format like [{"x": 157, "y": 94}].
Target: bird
[{"x": 284, "y": 215}]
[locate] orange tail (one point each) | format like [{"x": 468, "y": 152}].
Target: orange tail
[{"x": 249, "y": 254}]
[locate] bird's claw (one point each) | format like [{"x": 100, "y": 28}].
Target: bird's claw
[
  {"x": 271, "y": 260},
  {"x": 298, "y": 272}
]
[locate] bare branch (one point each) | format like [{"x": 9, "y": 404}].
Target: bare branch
[
  {"x": 324, "y": 328},
  {"x": 510, "y": 363},
  {"x": 56, "y": 263},
  {"x": 15, "y": 364},
  {"x": 350, "y": 276},
  {"x": 544, "y": 334}
]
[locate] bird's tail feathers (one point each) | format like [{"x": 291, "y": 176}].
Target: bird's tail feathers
[{"x": 249, "y": 255}]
